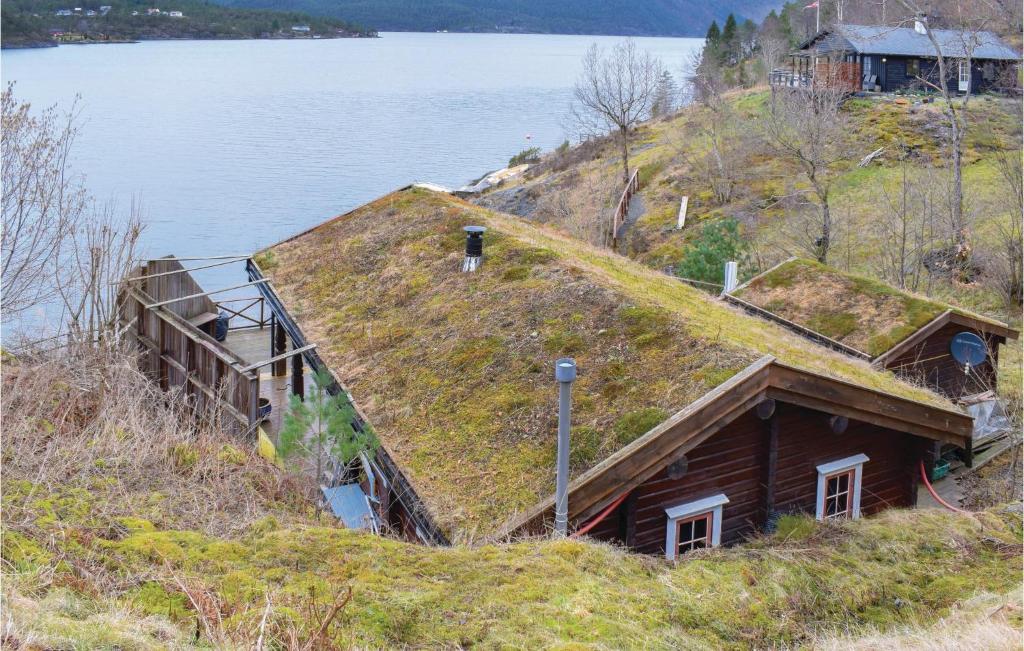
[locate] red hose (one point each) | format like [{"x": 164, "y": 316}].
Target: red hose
[
  {"x": 600, "y": 516},
  {"x": 928, "y": 485}
]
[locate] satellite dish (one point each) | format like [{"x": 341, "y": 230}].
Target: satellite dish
[{"x": 968, "y": 349}]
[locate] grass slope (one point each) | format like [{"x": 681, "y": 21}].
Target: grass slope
[{"x": 109, "y": 541}]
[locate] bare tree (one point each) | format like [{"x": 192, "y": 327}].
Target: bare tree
[
  {"x": 97, "y": 256},
  {"x": 614, "y": 92},
  {"x": 720, "y": 132},
  {"x": 42, "y": 200},
  {"x": 954, "y": 51},
  {"x": 808, "y": 127},
  {"x": 907, "y": 226},
  {"x": 1005, "y": 265},
  {"x": 59, "y": 249}
]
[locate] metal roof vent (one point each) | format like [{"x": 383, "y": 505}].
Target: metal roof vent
[
  {"x": 474, "y": 247},
  {"x": 919, "y": 24}
]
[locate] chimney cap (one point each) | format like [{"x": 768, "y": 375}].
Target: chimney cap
[
  {"x": 565, "y": 369},
  {"x": 475, "y": 230}
]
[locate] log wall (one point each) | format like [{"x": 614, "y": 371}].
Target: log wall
[{"x": 736, "y": 462}]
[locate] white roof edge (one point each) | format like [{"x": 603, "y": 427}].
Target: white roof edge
[
  {"x": 690, "y": 508},
  {"x": 842, "y": 464}
]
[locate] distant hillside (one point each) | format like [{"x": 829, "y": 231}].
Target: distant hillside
[
  {"x": 621, "y": 17},
  {"x": 41, "y": 23}
]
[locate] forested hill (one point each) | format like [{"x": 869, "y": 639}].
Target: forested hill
[
  {"x": 39, "y": 23},
  {"x": 619, "y": 17}
]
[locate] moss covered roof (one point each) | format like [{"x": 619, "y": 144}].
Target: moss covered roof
[
  {"x": 455, "y": 370},
  {"x": 859, "y": 312}
]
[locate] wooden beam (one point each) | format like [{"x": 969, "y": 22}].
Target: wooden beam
[
  {"x": 208, "y": 257},
  {"x": 277, "y": 358},
  {"x": 178, "y": 271},
  {"x": 881, "y": 361},
  {"x": 771, "y": 471},
  {"x": 984, "y": 325},
  {"x": 298, "y": 384},
  {"x": 279, "y": 343},
  {"x": 200, "y": 294},
  {"x": 855, "y": 399}
]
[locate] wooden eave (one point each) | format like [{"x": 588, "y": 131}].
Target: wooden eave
[
  {"x": 765, "y": 378},
  {"x": 933, "y": 326}
]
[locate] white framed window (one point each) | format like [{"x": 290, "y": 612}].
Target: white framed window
[
  {"x": 694, "y": 525},
  {"x": 839, "y": 484}
]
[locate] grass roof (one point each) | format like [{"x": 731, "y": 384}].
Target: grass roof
[
  {"x": 455, "y": 370},
  {"x": 860, "y": 312}
]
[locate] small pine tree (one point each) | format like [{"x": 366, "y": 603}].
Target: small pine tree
[
  {"x": 714, "y": 35},
  {"x": 729, "y": 42},
  {"x": 324, "y": 422},
  {"x": 664, "y": 101},
  {"x": 718, "y": 243}
]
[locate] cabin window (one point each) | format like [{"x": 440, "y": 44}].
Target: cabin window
[
  {"x": 913, "y": 67},
  {"x": 694, "y": 525},
  {"x": 839, "y": 485},
  {"x": 867, "y": 66}
]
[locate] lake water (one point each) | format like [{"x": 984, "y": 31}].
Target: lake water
[{"x": 232, "y": 145}]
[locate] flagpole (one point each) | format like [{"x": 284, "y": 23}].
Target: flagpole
[{"x": 817, "y": 16}]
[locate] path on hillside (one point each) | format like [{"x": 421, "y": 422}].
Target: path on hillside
[{"x": 636, "y": 210}]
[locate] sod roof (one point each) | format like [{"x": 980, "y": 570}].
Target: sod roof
[
  {"x": 859, "y": 312},
  {"x": 455, "y": 370}
]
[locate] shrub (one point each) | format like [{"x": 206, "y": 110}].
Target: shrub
[
  {"x": 529, "y": 155},
  {"x": 718, "y": 243}
]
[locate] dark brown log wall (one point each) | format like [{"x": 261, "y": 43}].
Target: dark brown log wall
[
  {"x": 735, "y": 462},
  {"x": 930, "y": 363}
]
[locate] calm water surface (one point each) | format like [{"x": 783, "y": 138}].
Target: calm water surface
[{"x": 233, "y": 145}]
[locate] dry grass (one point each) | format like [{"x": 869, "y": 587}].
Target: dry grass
[
  {"x": 89, "y": 422},
  {"x": 986, "y": 621}
]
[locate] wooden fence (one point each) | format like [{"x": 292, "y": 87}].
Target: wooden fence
[
  {"x": 622, "y": 210},
  {"x": 175, "y": 353}
]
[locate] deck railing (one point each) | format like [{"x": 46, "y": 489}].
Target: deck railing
[
  {"x": 622, "y": 209},
  {"x": 788, "y": 78},
  {"x": 246, "y": 312}
]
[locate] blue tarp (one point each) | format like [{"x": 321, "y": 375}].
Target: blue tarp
[{"x": 348, "y": 503}]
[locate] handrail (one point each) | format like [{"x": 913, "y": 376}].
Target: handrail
[{"x": 622, "y": 209}]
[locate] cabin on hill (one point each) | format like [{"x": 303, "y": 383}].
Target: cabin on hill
[
  {"x": 887, "y": 59},
  {"x": 694, "y": 423},
  {"x": 950, "y": 350}
]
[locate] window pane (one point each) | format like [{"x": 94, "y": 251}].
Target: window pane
[
  {"x": 685, "y": 532},
  {"x": 700, "y": 528},
  {"x": 842, "y": 483}
]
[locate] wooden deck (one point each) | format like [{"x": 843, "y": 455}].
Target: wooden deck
[{"x": 253, "y": 345}]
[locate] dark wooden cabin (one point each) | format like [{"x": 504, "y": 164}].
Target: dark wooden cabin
[
  {"x": 772, "y": 441},
  {"x": 912, "y": 336},
  {"x": 695, "y": 424},
  {"x": 888, "y": 59}
]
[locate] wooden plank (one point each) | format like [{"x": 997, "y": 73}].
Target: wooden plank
[
  {"x": 984, "y": 325},
  {"x": 867, "y": 404},
  {"x": 200, "y": 294},
  {"x": 276, "y": 358},
  {"x": 907, "y": 344}
]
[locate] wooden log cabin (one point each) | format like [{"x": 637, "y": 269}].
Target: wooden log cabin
[
  {"x": 694, "y": 423},
  {"x": 887, "y": 59},
  {"x": 910, "y": 335}
]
